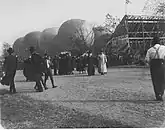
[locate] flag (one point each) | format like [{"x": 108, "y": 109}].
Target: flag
[{"x": 128, "y": 2}]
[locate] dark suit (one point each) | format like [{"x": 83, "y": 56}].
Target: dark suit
[
  {"x": 10, "y": 65},
  {"x": 37, "y": 69},
  {"x": 157, "y": 69},
  {"x": 55, "y": 65},
  {"x": 91, "y": 68}
]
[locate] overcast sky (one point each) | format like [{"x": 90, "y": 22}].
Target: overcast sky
[{"x": 19, "y": 17}]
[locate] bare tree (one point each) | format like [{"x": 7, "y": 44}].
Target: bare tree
[
  {"x": 155, "y": 7},
  {"x": 111, "y": 22},
  {"x": 82, "y": 39},
  {"x": 160, "y": 9},
  {"x": 5, "y": 46}
]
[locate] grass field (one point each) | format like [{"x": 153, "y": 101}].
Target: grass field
[{"x": 122, "y": 98}]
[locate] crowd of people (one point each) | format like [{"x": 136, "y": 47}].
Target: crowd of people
[
  {"x": 38, "y": 69},
  {"x": 35, "y": 67},
  {"x": 66, "y": 64}
]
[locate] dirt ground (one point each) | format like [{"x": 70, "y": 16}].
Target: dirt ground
[{"x": 122, "y": 98}]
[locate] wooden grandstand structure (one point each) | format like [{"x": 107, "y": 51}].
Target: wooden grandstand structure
[{"x": 135, "y": 33}]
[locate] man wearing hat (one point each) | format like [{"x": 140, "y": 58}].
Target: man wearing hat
[
  {"x": 10, "y": 67},
  {"x": 37, "y": 69},
  {"x": 156, "y": 58},
  {"x": 90, "y": 62}
]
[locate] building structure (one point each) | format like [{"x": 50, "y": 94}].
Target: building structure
[{"x": 134, "y": 35}]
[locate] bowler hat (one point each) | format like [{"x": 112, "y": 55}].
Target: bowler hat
[
  {"x": 32, "y": 49},
  {"x": 156, "y": 40},
  {"x": 10, "y": 50}
]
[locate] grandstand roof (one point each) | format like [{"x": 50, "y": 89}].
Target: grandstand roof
[
  {"x": 144, "y": 18},
  {"x": 135, "y": 25}
]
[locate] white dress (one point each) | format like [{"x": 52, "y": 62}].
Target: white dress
[{"x": 102, "y": 63}]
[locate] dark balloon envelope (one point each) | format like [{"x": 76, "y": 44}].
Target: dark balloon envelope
[
  {"x": 102, "y": 37},
  {"x": 46, "y": 43},
  {"x": 20, "y": 48},
  {"x": 42, "y": 41},
  {"x": 74, "y": 34},
  {"x": 33, "y": 39}
]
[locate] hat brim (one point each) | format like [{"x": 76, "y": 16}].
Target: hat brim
[{"x": 10, "y": 50}]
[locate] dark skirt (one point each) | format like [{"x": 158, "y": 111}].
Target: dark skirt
[{"x": 157, "y": 69}]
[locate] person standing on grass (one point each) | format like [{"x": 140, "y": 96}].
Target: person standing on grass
[
  {"x": 156, "y": 58},
  {"x": 48, "y": 70},
  {"x": 37, "y": 69},
  {"x": 55, "y": 64},
  {"x": 90, "y": 62},
  {"x": 102, "y": 63},
  {"x": 10, "y": 67}
]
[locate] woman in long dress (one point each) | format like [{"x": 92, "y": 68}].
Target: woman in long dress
[{"x": 102, "y": 63}]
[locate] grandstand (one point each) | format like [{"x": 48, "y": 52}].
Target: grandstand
[{"x": 135, "y": 33}]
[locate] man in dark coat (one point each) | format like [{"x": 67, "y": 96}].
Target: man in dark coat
[
  {"x": 55, "y": 64},
  {"x": 27, "y": 69},
  {"x": 62, "y": 64},
  {"x": 37, "y": 69},
  {"x": 69, "y": 63},
  {"x": 91, "y": 67},
  {"x": 10, "y": 67},
  {"x": 156, "y": 58}
]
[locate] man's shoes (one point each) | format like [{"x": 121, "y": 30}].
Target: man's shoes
[
  {"x": 11, "y": 92},
  {"x": 35, "y": 87},
  {"x": 46, "y": 88},
  {"x": 39, "y": 90},
  {"x": 159, "y": 98},
  {"x": 54, "y": 86}
]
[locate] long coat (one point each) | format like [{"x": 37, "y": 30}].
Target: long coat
[
  {"x": 10, "y": 67},
  {"x": 33, "y": 66},
  {"x": 102, "y": 67},
  {"x": 91, "y": 67}
]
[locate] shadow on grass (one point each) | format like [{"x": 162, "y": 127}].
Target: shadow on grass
[
  {"x": 109, "y": 101},
  {"x": 19, "y": 111},
  {"x": 4, "y": 91},
  {"x": 23, "y": 80},
  {"x": 79, "y": 75}
]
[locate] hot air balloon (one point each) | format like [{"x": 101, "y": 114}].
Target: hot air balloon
[
  {"x": 46, "y": 38},
  {"x": 19, "y": 47},
  {"x": 74, "y": 34},
  {"x": 33, "y": 39},
  {"x": 102, "y": 35}
]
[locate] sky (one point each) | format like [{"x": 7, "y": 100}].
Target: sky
[{"x": 19, "y": 17}]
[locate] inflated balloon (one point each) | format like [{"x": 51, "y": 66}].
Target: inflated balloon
[
  {"x": 33, "y": 39},
  {"x": 101, "y": 38},
  {"x": 74, "y": 34},
  {"x": 46, "y": 38},
  {"x": 21, "y": 45},
  {"x": 20, "y": 48}
]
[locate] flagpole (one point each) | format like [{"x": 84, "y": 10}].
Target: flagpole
[{"x": 125, "y": 7}]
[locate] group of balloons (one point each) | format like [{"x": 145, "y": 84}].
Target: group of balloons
[{"x": 73, "y": 35}]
